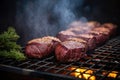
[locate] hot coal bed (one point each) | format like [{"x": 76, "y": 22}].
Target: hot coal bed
[{"x": 102, "y": 64}]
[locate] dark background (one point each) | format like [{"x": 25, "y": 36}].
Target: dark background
[
  {"x": 100, "y": 10},
  {"x": 7, "y": 13}
]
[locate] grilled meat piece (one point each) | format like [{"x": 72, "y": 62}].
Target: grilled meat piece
[
  {"x": 111, "y": 27},
  {"x": 64, "y": 35},
  {"x": 90, "y": 39},
  {"x": 93, "y": 24},
  {"x": 101, "y": 34},
  {"x": 70, "y": 51},
  {"x": 78, "y": 24},
  {"x": 102, "y": 30},
  {"x": 100, "y": 37},
  {"x": 40, "y": 47},
  {"x": 78, "y": 30}
]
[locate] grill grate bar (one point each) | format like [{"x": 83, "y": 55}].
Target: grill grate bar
[
  {"x": 23, "y": 63},
  {"x": 107, "y": 72},
  {"x": 45, "y": 65},
  {"x": 63, "y": 68},
  {"x": 34, "y": 64}
]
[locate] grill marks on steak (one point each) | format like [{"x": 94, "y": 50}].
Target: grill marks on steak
[
  {"x": 38, "y": 48},
  {"x": 69, "y": 51}
]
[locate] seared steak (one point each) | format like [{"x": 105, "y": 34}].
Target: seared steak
[
  {"x": 64, "y": 35},
  {"x": 100, "y": 37},
  {"x": 38, "y": 48},
  {"x": 71, "y": 50},
  {"x": 90, "y": 39},
  {"x": 111, "y": 27}
]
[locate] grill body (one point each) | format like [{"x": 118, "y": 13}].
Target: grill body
[{"x": 102, "y": 62}]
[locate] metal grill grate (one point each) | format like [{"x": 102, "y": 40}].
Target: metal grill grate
[{"x": 102, "y": 64}]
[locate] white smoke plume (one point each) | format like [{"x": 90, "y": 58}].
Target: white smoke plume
[{"x": 38, "y": 18}]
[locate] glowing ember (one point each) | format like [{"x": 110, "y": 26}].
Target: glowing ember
[
  {"x": 112, "y": 74},
  {"x": 83, "y": 73},
  {"x": 88, "y": 74},
  {"x": 84, "y": 70}
]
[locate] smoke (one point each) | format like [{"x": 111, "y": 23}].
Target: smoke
[
  {"x": 38, "y": 18},
  {"x": 64, "y": 11}
]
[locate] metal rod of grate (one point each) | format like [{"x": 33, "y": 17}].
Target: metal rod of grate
[{"x": 103, "y": 63}]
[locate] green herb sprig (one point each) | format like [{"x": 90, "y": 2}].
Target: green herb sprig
[{"x": 8, "y": 46}]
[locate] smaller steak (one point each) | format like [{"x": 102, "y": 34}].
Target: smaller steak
[
  {"x": 41, "y": 47},
  {"x": 70, "y": 51},
  {"x": 111, "y": 27},
  {"x": 78, "y": 24},
  {"x": 90, "y": 39},
  {"x": 64, "y": 35},
  {"x": 93, "y": 24},
  {"x": 100, "y": 37},
  {"x": 78, "y": 30},
  {"x": 102, "y": 30}
]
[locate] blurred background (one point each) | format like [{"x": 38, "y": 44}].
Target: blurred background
[{"x": 37, "y": 18}]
